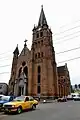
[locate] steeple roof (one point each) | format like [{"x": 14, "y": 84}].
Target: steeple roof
[
  {"x": 42, "y": 18},
  {"x": 25, "y": 50},
  {"x": 16, "y": 51}
]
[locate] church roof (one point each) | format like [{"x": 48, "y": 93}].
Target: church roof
[
  {"x": 61, "y": 69},
  {"x": 25, "y": 51},
  {"x": 42, "y": 18}
]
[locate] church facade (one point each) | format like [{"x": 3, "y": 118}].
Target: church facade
[
  {"x": 64, "y": 83},
  {"x": 34, "y": 72}
]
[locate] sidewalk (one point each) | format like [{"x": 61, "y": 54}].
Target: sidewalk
[{"x": 47, "y": 101}]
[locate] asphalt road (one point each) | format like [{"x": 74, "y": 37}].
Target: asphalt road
[{"x": 49, "y": 111}]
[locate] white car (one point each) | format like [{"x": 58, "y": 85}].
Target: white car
[
  {"x": 76, "y": 97},
  {"x": 69, "y": 97},
  {"x": 63, "y": 99},
  {"x": 1, "y": 95}
]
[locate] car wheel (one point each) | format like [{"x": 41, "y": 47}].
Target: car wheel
[
  {"x": 6, "y": 112},
  {"x": 19, "y": 110},
  {"x": 33, "y": 107}
]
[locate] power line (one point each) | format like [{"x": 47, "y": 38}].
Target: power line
[
  {"x": 70, "y": 23},
  {"x": 53, "y": 35},
  {"x": 4, "y": 72},
  {"x": 6, "y": 52},
  {"x": 66, "y": 39},
  {"x": 4, "y": 59},
  {"x": 66, "y": 30},
  {"x": 68, "y": 50},
  {"x": 56, "y": 53},
  {"x": 57, "y": 39},
  {"x": 58, "y": 62},
  {"x": 67, "y": 35},
  {"x": 69, "y": 60},
  {"x": 5, "y": 65}
]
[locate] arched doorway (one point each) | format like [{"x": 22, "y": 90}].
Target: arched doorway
[{"x": 23, "y": 81}]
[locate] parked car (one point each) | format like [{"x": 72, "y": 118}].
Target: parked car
[
  {"x": 5, "y": 99},
  {"x": 1, "y": 95},
  {"x": 63, "y": 99},
  {"x": 76, "y": 97},
  {"x": 20, "y": 103},
  {"x": 69, "y": 97}
]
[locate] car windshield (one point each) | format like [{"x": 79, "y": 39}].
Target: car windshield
[
  {"x": 5, "y": 98},
  {"x": 21, "y": 98}
]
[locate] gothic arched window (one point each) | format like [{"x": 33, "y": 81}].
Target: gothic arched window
[
  {"x": 35, "y": 55},
  {"x": 41, "y": 34},
  {"x": 39, "y": 69},
  {"x": 38, "y": 89},
  {"x": 38, "y": 79},
  {"x": 37, "y": 35},
  {"x": 41, "y": 42},
  {"x": 25, "y": 70},
  {"x": 38, "y": 55}
]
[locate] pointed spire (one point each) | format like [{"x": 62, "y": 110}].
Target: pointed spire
[
  {"x": 25, "y": 46},
  {"x": 16, "y": 51},
  {"x": 42, "y": 18}
]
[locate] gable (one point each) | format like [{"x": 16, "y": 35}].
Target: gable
[{"x": 25, "y": 51}]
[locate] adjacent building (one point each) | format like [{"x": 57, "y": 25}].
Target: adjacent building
[
  {"x": 63, "y": 81},
  {"x": 3, "y": 88},
  {"x": 34, "y": 71}
]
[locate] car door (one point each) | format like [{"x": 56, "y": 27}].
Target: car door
[
  {"x": 26, "y": 103},
  {"x": 31, "y": 101}
]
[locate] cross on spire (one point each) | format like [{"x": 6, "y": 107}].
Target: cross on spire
[
  {"x": 25, "y": 40},
  {"x": 25, "y": 43},
  {"x": 41, "y": 6}
]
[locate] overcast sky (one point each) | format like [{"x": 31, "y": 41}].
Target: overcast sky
[{"x": 17, "y": 18}]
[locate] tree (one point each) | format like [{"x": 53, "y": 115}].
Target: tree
[
  {"x": 72, "y": 90},
  {"x": 79, "y": 86},
  {"x": 76, "y": 86}
]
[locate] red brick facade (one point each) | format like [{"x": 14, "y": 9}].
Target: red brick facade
[{"x": 63, "y": 81}]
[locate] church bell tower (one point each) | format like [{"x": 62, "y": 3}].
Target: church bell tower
[{"x": 44, "y": 75}]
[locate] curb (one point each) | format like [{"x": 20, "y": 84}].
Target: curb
[{"x": 47, "y": 102}]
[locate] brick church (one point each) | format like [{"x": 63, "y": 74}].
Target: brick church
[{"x": 34, "y": 72}]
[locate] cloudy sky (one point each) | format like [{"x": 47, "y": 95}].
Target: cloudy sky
[{"x": 17, "y": 18}]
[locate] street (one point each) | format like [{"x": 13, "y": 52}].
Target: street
[{"x": 49, "y": 111}]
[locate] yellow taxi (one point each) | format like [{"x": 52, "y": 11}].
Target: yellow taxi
[{"x": 20, "y": 103}]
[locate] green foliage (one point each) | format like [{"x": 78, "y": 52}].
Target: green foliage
[{"x": 72, "y": 90}]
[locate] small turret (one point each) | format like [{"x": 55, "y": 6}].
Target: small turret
[{"x": 16, "y": 51}]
